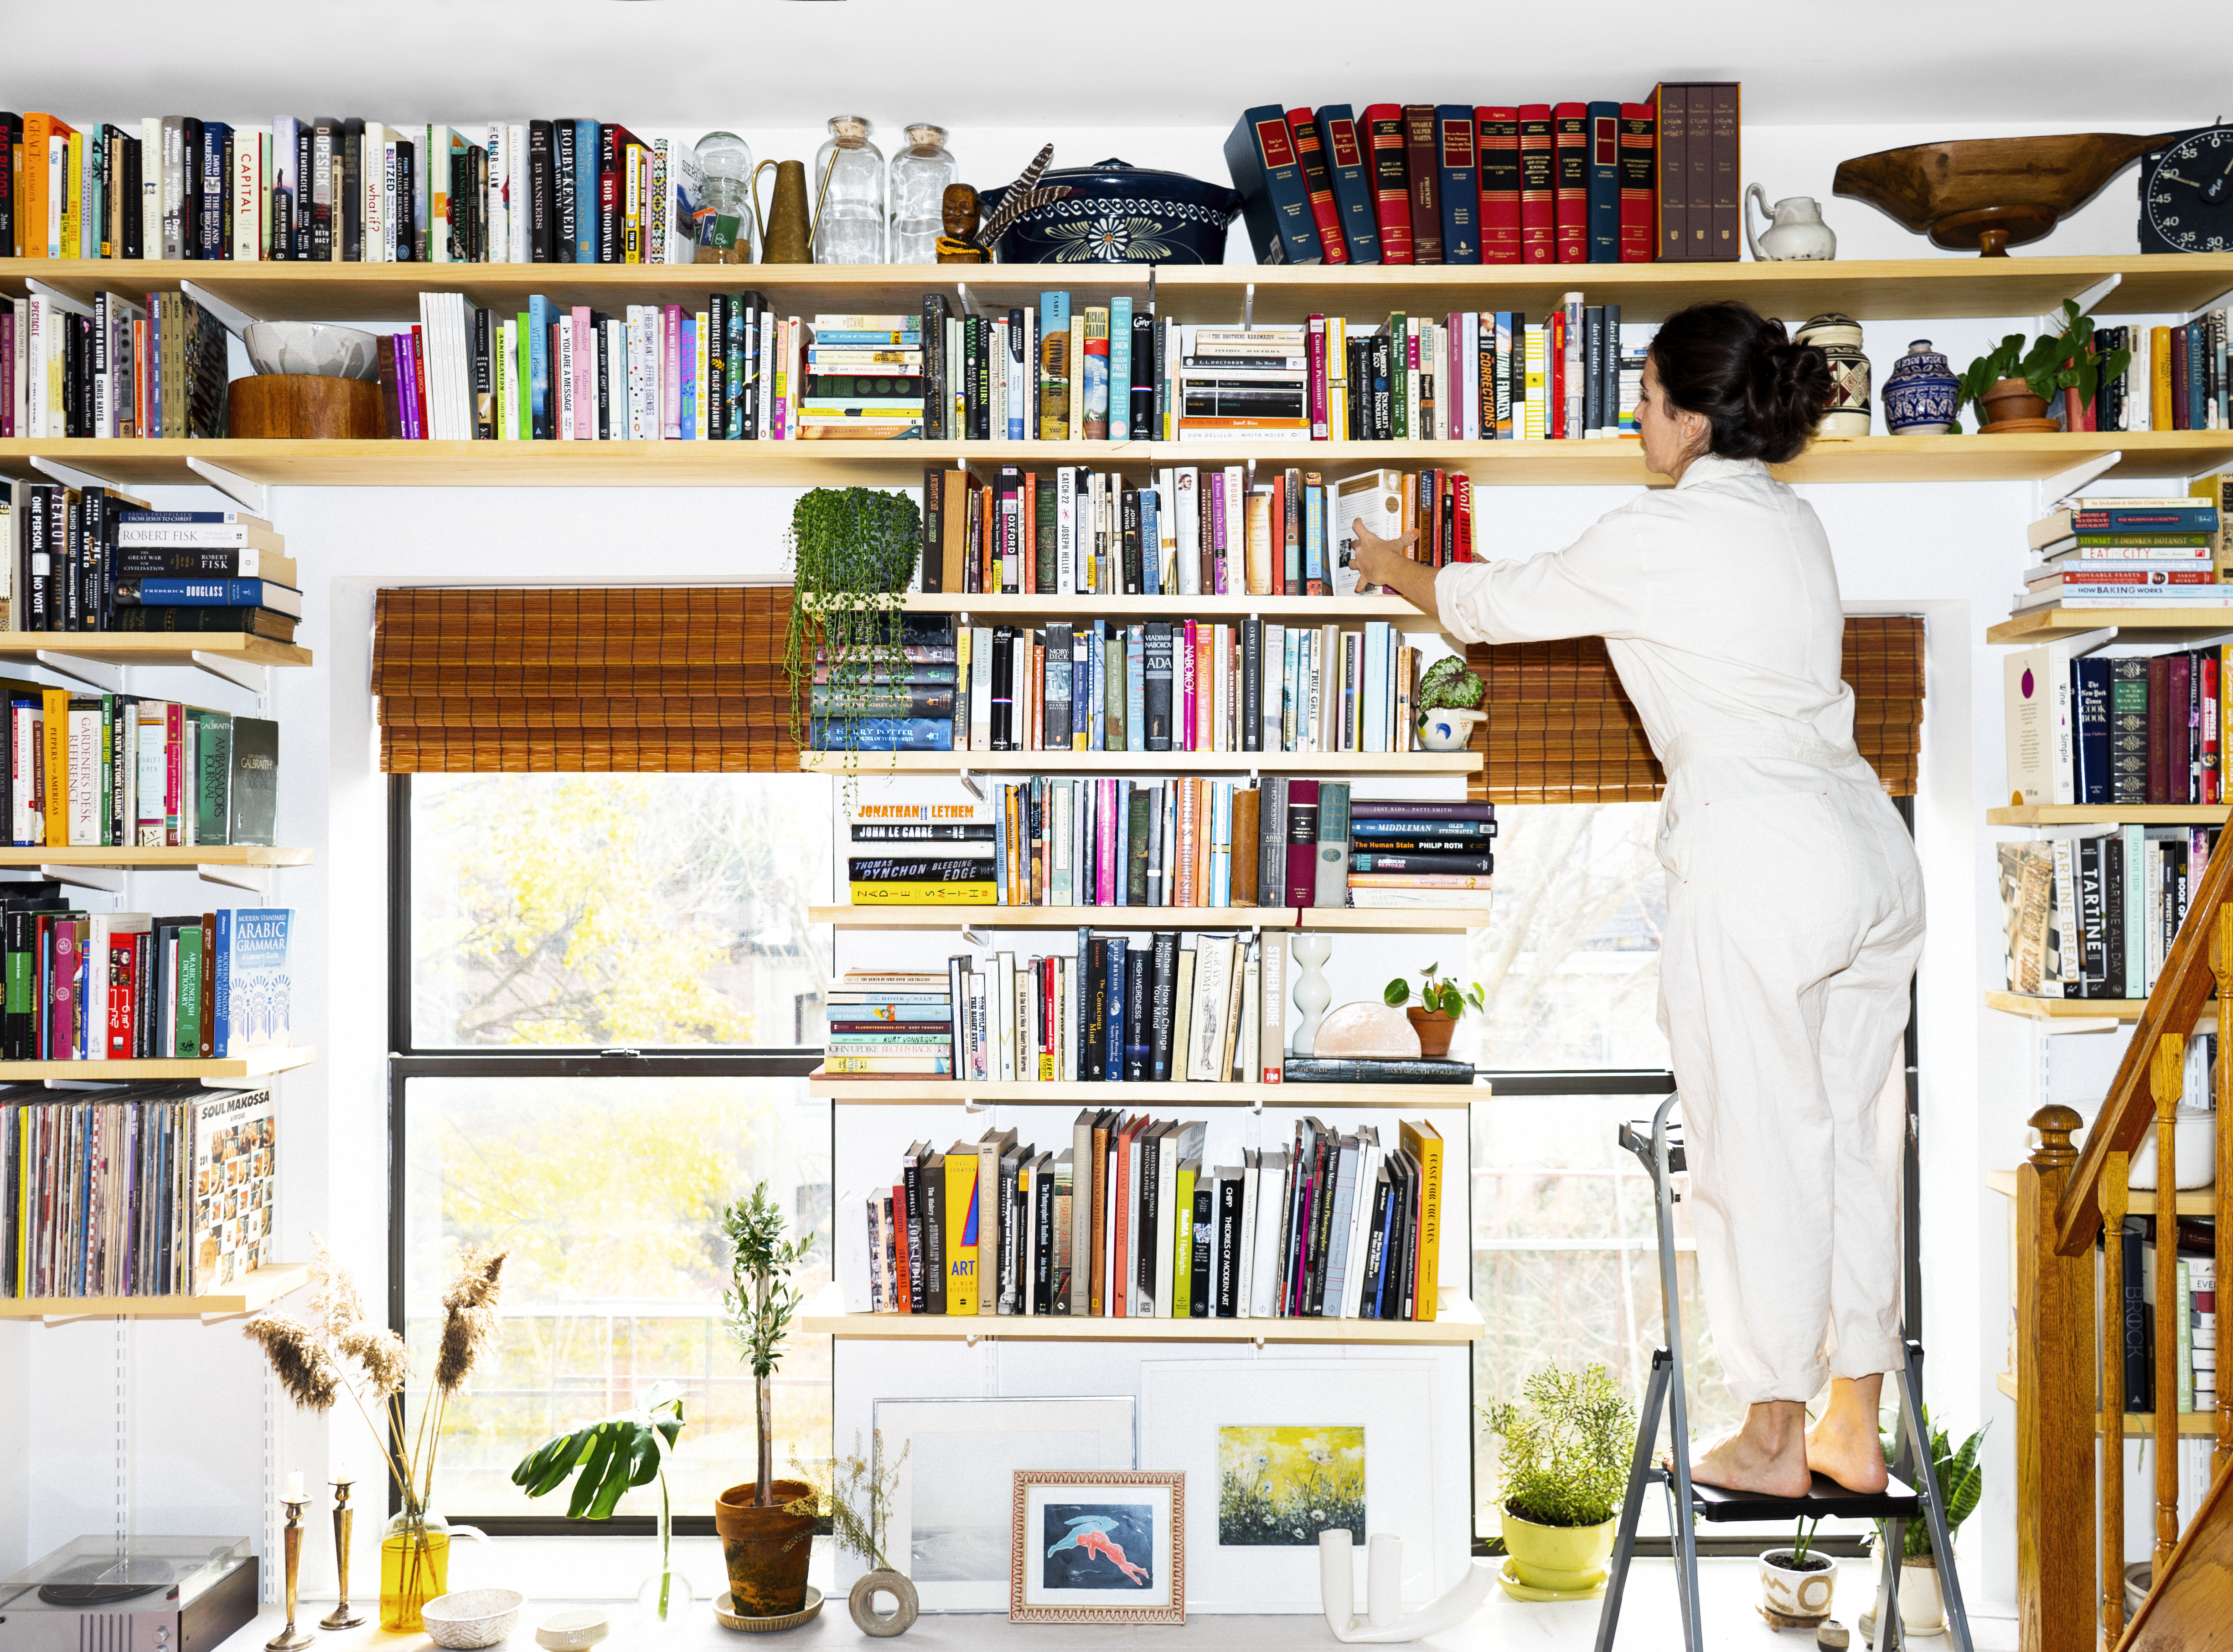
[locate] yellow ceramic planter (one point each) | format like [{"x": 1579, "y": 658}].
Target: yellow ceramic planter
[{"x": 1563, "y": 1560}]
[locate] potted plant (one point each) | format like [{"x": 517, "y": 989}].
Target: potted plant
[
  {"x": 855, "y": 1495},
  {"x": 2013, "y": 385},
  {"x": 1441, "y": 1003},
  {"x": 1797, "y": 1582},
  {"x": 763, "y": 1542},
  {"x": 614, "y": 1456},
  {"x": 1960, "y": 1481},
  {"x": 1450, "y": 705},
  {"x": 1564, "y": 1471},
  {"x": 853, "y": 551}
]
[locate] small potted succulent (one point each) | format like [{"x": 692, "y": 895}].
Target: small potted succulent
[
  {"x": 1450, "y": 705},
  {"x": 2013, "y": 385},
  {"x": 1563, "y": 1472},
  {"x": 1798, "y": 1582},
  {"x": 1435, "y": 1007}
]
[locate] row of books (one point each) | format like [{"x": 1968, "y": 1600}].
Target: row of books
[
  {"x": 2177, "y": 380},
  {"x": 155, "y": 366},
  {"x": 2123, "y": 730},
  {"x": 2194, "y": 1292},
  {"x": 96, "y": 986},
  {"x": 1532, "y": 183},
  {"x": 332, "y": 189},
  {"x": 1189, "y": 531},
  {"x": 148, "y": 1190},
  {"x": 96, "y": 559},
  {"x": 1128, "y": 1222},
  {"x": 2092, "y": 914},
  {"x": 86, "y": 771}
]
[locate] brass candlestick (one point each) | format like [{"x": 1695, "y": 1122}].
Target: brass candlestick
[
  {"x": 344, "y": 1517},
  {"x": 290, "y": 1638}
]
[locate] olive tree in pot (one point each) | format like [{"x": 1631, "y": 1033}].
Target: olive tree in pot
[
  {"x": 1564, "y": 1471},
  {"x": 763, "y": 1543},
  {"x": 853, "y": 552}
]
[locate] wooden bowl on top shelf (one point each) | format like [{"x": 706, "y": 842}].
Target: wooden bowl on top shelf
[{"x": 1989, "y": 194}]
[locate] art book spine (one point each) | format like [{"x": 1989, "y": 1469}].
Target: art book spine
[
  {"x": 1497, "y": 152},
  {"x": 1391, "y": 187}
]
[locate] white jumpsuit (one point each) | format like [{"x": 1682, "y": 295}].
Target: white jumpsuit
[{"x": 1795, "y": 902}]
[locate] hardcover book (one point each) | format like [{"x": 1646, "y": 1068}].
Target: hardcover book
[
  {"x": 1497, "y": 150},
  {"x": 1260, "y": 153},
  {"x": 1348, "y": 167}
]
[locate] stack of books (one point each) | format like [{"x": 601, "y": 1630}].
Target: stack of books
[
  {"x": 1242, "y": 384},
  {"x": 147, "y": 1190},
  {"x": 931, "y": 854},
  {"x": 864, "y": 379},
  {"x": 132, "y": 987},
  {"x": 1406, "y": 852},
  {"x": 910, "y": 706},
  {"x": 2098, "y": 729},
  {"x": 95, "y": 559},
  {"x": 2117, "y": 552},
  {"x": 1129, "y": 1221},
  {"x": 886, "y": 1023}
]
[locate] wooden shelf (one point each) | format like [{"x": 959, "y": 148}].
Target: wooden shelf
[
  {"x": 1401, "y": 920},
  {"x": 1946, "y": 285},
  {"x": 2044, "y": 624},
  {"x": 2193, "y": 1201},
  {"x": 2038, "y": 1009},
  {"x": 1404, "y": 764},
  {"x": 261, "y": 1064},
  {"x": 2138, "y": 1424},
  {"x": 1458, "y": 1321},
  {"x": 901, "y": 1091},
  {"x": 1410, "y": 920},
  {"x": 262, "y": 1287},
  {"x": 1316, "y": 610},
  {"x": 151, "y": 649},
  {"x": 2107, "y": 814},
  {"x": 152, "y": 860}
]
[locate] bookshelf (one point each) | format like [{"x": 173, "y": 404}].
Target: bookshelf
[
  {"x": 1404, "y": 765},
  {"x": 2107, "y": 814},
  {"x": 144, "y": 648},
  {"x": 156, "y": 859},
  {"x": 900, "y": 1092},
  {"x": 1090, "y": 606},
  {"x": 2040, "y": 1009},
  {"x": 230, "y": 1069},
  {"x": 262, "y": 1287},
  {"x": 2138, "y": 1425},
  {"x": 2045, "y": 625},
  {"x": 1456, "y": 1322},
  {"x": 2192, "y": 1201},
  {"x": 1412, "y": 921}
]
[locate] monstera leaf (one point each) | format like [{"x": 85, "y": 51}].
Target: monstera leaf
[{"x": 613, "y": 1455}]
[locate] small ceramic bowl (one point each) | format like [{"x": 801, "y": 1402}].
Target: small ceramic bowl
[
  {"x": 572, "y": 1632},
  {"x": 472, "y": 1618},
  {"x": 314, "y": 347}
]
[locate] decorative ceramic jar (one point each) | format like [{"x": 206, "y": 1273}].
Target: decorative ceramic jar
[
  {"x": 1119, "y": 213},
  {"x": 1838, "y": 337},
  {"x": 1795, "y": 230},
  {"x": 848, "y": 186},
  {"x": 1922, "y": 395},
  {"x": 1448, "y": 728},
  {"x": 1796, "y": 1594}
]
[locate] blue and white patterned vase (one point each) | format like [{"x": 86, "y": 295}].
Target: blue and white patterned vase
[{"x": 1919, "y": 398}]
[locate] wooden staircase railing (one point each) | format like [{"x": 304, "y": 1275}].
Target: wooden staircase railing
[{"x": 2070, "y": 1390}]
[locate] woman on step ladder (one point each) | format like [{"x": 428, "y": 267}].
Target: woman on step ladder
[{"x": 1794, "y": 903}]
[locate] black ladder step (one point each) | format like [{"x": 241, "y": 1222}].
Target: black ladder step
[{"x": 1897, "y": 1501}]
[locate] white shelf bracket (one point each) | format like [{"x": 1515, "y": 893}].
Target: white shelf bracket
[
  {"x": 2215, "y": 470},
  {"x": 94, "y": 674},
  {"x": 973, "y": 1339},
  {"x": 2197, "y": 314},
  {"x": 253, "y": 495},
  {"x": 68, "y": 475},
  {"x": 971, "y": 782},
  {"x": 238, "y": 1083},
  {"x": 255, "y": 878},
  {"x": 231, "y": 317},
  {"x": 2063, "y": 485},
  {"x": 110, "y": 878},
  {"x": 1258, "y": 1341},
  {"x": 254, "y": 677},
  {"x": 2085, "y": 301},
  {"x": 2081, "y": 1023},
  {"x": 961, "y": 297},
  {"x": 971, "y": 1104},
  {"x": 976, "y": 937},
  {"x": 1248, "y": 308}
]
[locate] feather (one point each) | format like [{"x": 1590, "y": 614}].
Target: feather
[{"x": 1013, "y": 205}]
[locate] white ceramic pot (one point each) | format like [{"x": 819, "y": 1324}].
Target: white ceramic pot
[
  {"x": 313, "y": 347},
  {"x": 1448, "y": 730},
  {"x": 2194, "y": 1152},
  {"x": 1921, "y": 1612},
  {"x": 1794, "y": 230},
  {"x": 1789, "y": 1593}
]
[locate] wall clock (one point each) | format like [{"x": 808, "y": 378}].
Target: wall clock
[{"x": 2187, "y": 192}]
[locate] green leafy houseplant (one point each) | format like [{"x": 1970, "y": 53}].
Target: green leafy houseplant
[
  {"x": 760, "y": 1302},
  {"x": 853, "y": 552},
  {"x": 1961, "y": 1482},
  {"x": 2053, "y": 362},
  {"x": 613, "y": 1456},
  {"x": 1567, "y": 1448},
  {"x": 1435, "y": 995},
  {"x": 1449, "y": 686}
]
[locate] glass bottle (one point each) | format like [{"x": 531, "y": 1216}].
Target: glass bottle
[
  {"x": 415, "y": 1563},
  {"x": 920, "y": 174},
  {"x": 848, "y": 188},
  {"x": 723, "y": 233}
]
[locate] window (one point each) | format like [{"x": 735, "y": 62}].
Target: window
[{"x": 608, "y": 996}]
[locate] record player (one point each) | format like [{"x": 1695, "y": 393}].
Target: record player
[{"x": 141, "y": 1593}]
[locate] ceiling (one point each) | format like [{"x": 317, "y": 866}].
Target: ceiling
[{"x": 761, "y": 63}]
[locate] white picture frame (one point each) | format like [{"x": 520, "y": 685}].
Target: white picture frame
[
  {"x": 949, "y": 1529},
  {"x": 1185, "y": 1403}
]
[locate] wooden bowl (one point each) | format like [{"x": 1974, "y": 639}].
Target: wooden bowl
[{"x": 1989, "y": 194}]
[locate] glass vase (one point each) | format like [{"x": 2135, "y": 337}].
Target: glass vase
[
  {"x": 848, "y": 186},
  {"x": 920, "y": 173},
  {"x": 414, "y": 1564}
]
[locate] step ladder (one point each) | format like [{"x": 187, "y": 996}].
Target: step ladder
[{"x": 1660, "y": 1148}]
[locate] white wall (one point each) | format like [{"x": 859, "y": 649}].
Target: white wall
[{"x": 1952, "y": 552}]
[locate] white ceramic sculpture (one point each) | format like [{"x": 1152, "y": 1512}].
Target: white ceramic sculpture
[
  {"x": 1311, "y": 992},
  {"x": 1386, "y": 1621}
]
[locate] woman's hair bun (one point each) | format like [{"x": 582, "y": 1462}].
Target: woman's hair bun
[{"x": 1761, "y": 395}]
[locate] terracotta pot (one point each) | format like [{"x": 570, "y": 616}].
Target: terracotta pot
[
  {"x": 767, "y": 1550},
  {"x": 1434, "y": 1029},
  {"x": 2010, "y": 404}
]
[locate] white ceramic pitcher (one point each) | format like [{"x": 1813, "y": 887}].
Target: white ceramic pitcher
[{"x": 1796, "y": 228}]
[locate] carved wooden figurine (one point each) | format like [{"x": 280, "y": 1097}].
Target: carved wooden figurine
[{"x": 961, "y": 215}]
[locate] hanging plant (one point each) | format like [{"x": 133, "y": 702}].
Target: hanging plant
[{"x": 853, "y": 552}]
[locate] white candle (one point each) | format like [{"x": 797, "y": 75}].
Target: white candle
[{"x": 295, "y": 1487}]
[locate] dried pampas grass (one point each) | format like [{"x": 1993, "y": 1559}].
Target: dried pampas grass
[
  {"x": 334, "y": 1302},
  {"x": 381, "y": 1353},
  {"x": 469, "y": 1317},
  {"x": 297, "y": 1359}
]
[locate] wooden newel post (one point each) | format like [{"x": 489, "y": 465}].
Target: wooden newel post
[{"x": 2055, "y": 1417}]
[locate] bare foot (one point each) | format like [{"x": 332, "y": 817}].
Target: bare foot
[
  {"x": 1767, "y": 1455},
  {"x": 1851, "y": 1456}
]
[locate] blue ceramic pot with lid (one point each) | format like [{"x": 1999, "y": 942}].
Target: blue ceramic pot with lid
[
  {"x": 1119, "y": 213},
  {"x": 1920, "y": 398}
]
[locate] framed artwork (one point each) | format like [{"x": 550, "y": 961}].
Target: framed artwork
[
  {"x": 1276, "y": 1451},
  {"x": 948, "y": 1528},
  {"x": 1106, "y": 1547}
]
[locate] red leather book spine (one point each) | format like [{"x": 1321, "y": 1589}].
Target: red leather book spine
[
  {"x": 1420, "y": 161},
  {"x": 2158, "y": 730},
  {"x": 1636, "y": 183},
  {"x": 1536, "y": 216},
  {"x": 1302, "y": 842},
  {"x": 1570, "y": 129},
  {"x": 1391, "y": 182},
  {"x": 1332, "y": 245},
  {"x": 1498, "y": 141}
]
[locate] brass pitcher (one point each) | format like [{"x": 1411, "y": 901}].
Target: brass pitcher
[{"x": 786, "y": 234}]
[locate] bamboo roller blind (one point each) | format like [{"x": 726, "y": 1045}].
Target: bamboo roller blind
[
  {"x": 1561, "y": 730},
  {"x": 691, "y": 679},
  {"x": 590, "y": 680}
]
